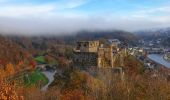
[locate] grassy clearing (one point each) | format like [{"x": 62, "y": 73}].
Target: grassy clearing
[
  {"x": 40, "y": 59},
  {"x": 35, "y": 78}
]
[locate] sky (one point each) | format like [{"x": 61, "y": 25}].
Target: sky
[{"x": 34, "y": 17}]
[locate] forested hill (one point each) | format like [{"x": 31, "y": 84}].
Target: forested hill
[
  {"x": 155, "y": 33},
  {"x": 10, "y": 52},
  {"x": 163, "y": 34},
  {"x": 121, "y": 35},
  {"x": 95, "y": 35},
  {"x": 43, "y": 42}
]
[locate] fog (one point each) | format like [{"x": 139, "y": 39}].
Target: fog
[{"x": 69, "y": 25}]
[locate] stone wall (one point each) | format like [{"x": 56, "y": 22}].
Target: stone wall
[
  {"x": 87, "y": 46},
  {"x": 105, "y": 57},
  {"x": 85, "y": 59}
]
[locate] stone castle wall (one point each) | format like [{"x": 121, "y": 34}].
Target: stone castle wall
[
  {"x": 87, "y": 46},
  {"x": 91, "y": 53},
  {"x": 85, "y": 59}
]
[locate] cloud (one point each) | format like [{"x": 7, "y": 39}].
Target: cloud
[
  {"x": 159, "y": 10},
  {"x": 68, "y": 25},
  {"x": 72, "y": 3},
  {"x": 31, "y": 9},
  {"x": 22, "y": 11}
]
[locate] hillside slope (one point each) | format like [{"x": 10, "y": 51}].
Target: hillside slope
[{"x": 10, "y": 52}]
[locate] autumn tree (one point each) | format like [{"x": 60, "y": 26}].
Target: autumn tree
[
  {"x": 10, "y": 69},
  {"x": 32, "y": 64}
]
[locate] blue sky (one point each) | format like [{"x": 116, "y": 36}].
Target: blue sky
[{"x": 68, "y": 16}]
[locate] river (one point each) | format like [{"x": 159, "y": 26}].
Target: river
[{"x": 159, "y": 59}]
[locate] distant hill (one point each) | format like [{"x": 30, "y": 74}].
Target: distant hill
[
  {"x": 163, "y": 34},
  {"x": 96, "y": 35},
  {"x": 121, "y": 35},
  {"x": 31, "y": 44},
  {"x": 156, "y": 33},
  {"x": 43, "y": 42}
]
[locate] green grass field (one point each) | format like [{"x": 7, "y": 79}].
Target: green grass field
[
  {"x": 35, "y": 78},
  {"x": 40, "y": 59}
]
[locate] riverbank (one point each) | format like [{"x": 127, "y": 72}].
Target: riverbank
[
  {"x": 167, "y": 57},
  {"x": 162, "y": 65},
  {"x": 159, "y": 59}
]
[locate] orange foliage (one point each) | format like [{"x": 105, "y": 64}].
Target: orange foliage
[
  {"x": 10, "y": 69},
  {"x": 21, "y": 63},
  {"x": 8, "y": 92},
  {"x": 73, "y": 95}
]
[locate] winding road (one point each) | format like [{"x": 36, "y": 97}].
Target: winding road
[{"x": 50, "y": 76}]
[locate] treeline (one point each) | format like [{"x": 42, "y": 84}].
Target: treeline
[{"x": 41, "y": 42}]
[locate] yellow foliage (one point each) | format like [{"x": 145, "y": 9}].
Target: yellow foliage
[{"x": 8, "y": 91}]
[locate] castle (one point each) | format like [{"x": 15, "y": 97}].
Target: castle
[{"x": 95, "y": 54}]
